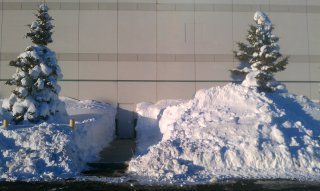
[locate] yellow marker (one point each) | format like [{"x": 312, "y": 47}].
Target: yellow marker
[
  {"x": 5, "y": 123},
  {"x": 71, "y": 123}
]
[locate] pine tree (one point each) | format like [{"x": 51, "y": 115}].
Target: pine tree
[
  {"x": 261, "y": 58},
  {"x": 37, "y": 72}
]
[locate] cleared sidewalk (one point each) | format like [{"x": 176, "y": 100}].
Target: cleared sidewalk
[{"x": 113, "y": 161}]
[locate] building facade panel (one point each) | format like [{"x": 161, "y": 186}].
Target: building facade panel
[
  {"x": 206, "y": 85},
  {"x": 137, "y": 32},
  {"x": 101, "y": 91},
  {"x": 70, "y": 89},
  {"x": 295, "y": 72},
  {"x": 5, "y": 90},
  {"x": 137, "y": 70},
  {"x": 175, "y": 90},
  {"x": 135, "y": 92},
  {"x": 175, "y": 32},
  {"x": 315, "y": 72},
  {"x": 176, "y": 71},
  {"x": 211, "y": 35},
  {"x": 66, "y": 31},
  {"x": 13, "y": 30},
  {"x": 313, "y": 33},
  {"x": 70, "y": 69},
  {"x": 97, "y": 70},
  {"x": 251, "y": 2},
  {"x": 288, "y": 2},
  {"x": 6, "y": 71},
  {"x": 137, "y": 1},
  {"x": 97, "y": 31},
  {"x": 292, "y": 29},
  {"x": 175, "y": 1},
  {"x": 208, "y": 71},
  {"x": 240, "y": 24},
  {"x": 213, "y": 1},
  {"x": 127, "y": 51},
  {"x": 315, "y": 91},
  {"x": 313, "y": 2},
  {"x": 299, "y": 88}
]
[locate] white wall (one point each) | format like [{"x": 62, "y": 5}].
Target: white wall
[{"x": 127, "y": 51}]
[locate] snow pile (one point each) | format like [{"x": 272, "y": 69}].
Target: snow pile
[
  {"x": 148, "y": 132},
  {"x": 52, "y": 150},
  {"x": 230, "y": 132}
]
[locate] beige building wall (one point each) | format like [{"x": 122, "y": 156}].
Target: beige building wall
[{"x": 128, "y": 51}]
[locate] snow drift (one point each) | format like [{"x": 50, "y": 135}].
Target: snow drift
[
  {"x": 229, "y": 132},
  {"x": 52, "y": 150}
]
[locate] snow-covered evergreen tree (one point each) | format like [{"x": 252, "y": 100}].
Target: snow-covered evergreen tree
[
  {"x": 261, "y": 58},
  {"x": 36, "y": 94}
]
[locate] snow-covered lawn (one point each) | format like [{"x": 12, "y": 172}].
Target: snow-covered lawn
[
  {"x": 52, "y": 150},
  {"x": 229, "y": 132}
]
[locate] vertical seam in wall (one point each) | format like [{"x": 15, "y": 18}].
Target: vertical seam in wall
[
  {"x": 78, "y": 74},
  {"x": 309, "y": 65},
  {"x": 117, "y": 53},
  {"x": 185, "y": 32},
  {"x": 232, "y": 28},
  {"x": 1, "y": 33},
  {"x": 156, "y": 50},
  {"x": 194, "y": 46}
]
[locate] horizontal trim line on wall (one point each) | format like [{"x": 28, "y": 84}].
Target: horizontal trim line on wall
[
  {"x": 163, "y": 7},
  {"x": 169, "y": 81},
  {"x": 158, "y": 57}
]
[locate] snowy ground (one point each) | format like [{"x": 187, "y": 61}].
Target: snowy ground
[
  {"x": 52, "y": 150},
  {"x": 229, "y": 132}
]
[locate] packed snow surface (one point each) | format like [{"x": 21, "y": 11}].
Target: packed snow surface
[
  {"x": 52, "y": 150},
  {"x": 229, "y": 132}
]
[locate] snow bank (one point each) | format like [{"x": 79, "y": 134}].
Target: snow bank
[
  {"x": 148, "y": 132},
  {"x": 229, "y": 132},
  {"x": 52, "y": 150}
]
